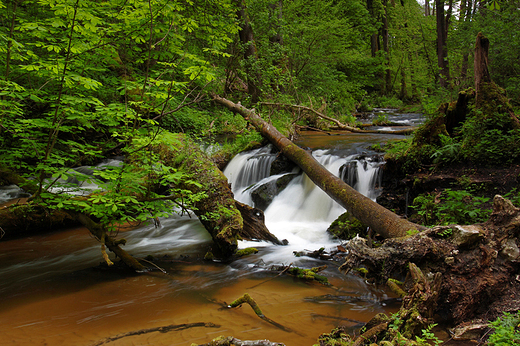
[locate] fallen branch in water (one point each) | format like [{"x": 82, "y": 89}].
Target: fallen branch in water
[
  {"x": 274, "y": 277},
  {"x": 246, "y": 298},
  {"x": 163, "y": 329}
]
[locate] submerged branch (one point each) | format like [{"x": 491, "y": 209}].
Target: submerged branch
[
  {"x": 246, "y": 298},
  {"x": 162, "y": 329}
]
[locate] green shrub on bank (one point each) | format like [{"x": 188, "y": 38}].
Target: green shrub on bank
[
  {"x": 507, "y": 330},
  {"x": 451, "y": 207}
]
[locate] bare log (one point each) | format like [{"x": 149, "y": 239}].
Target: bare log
[{"x": 380, "y": 219}]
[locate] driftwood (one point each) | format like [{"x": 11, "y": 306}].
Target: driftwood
[
  {"x": 246, "y": 299},
  {"x": 381, "y": 220}
]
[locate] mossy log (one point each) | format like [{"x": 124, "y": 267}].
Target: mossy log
[
  {"x": 221, "y": 215},
  {"x": 381, "y": 220}
]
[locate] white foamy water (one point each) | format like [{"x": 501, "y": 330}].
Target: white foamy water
[{"x": 302, "y": 212}]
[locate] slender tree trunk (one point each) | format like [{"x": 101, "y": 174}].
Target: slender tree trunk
[
  {"x": 442, "y": 48},
  {"x": 250, "y": 53},
  {"x": 381, "y": 220},
  {"x": 386, "y": 47},
  {"x": 481, "y": 62}
]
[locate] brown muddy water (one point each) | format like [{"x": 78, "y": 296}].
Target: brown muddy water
[
  {"x": 53, "y": 292},
  {"x": 77, "y": 304}
]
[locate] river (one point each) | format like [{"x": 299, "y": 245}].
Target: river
[{"x": 53, "y": 292}]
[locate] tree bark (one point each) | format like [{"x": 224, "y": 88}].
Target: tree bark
[
  {"x": 250, "y": 53},
  {"x": 481, "y": 62},
  {"x": 381, "y": 220},
  {"x": 442, "y": 49}
]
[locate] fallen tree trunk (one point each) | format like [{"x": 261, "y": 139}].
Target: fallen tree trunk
[{"x": 381, "y": 220}]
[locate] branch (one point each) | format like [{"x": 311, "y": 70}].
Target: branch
[
  {"x": 163, "y": 329},
  {"x": 336, "y": 121}
]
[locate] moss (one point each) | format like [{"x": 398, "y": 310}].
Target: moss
[
  {"x": 362, "y": 271},
  {"x": 246, "y": 251},
  {"x": 309, "y": 274},
  {"x": 347, "y": 227},
  {"x": 337, "y": 337},
  {"x": 209, "y": 256}
]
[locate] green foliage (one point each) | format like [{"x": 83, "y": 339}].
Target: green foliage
[
  {"x": 451, "y": 207},
  {"x": 507, "y": 330},
  {"x": 428, "y": 337},
  {"x": 449, "y": 150},
  {"x": 81, "y": 79},
  {"x": 489, "y": 139},
  {"x": 382, "y": 119},
  {"x": 514, "y": 197}
]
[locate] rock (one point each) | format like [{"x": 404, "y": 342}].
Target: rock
[
  {"x": 510, "y": 250},
  {"x": 264, "y": 194},
  {"x": 466, "y": 235},
  {"x": 470, "y": 330}
]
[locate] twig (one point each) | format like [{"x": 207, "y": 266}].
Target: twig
[
  {"x": 163, "y": 329},
  {"x": 155, "y": 265},
  {"x": 274, "y": 277},
  {"x": 337, "y": 318}
]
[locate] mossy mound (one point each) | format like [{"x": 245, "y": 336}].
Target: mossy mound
[{"x": 347, "y": 227}]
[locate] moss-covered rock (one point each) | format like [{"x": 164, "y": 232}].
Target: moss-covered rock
[{"x": 347, "y": 227}]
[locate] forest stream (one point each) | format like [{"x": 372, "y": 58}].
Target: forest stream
[{"x": 54, "y": 293}]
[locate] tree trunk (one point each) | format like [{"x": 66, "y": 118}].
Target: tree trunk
[
  {"x": 381, "y": 220},
  {"x": 481, "y": 62},
  {"x": 386, "y": 48},
  {"x": 442, "y": 49},
  {"x": 250, "y": 53}
]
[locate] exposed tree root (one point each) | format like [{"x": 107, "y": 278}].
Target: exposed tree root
[
  {"x": 455, "y": 273},
  {"x": 163, "y": 329}
]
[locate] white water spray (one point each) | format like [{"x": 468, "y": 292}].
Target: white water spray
[{"x": 302, "y": 212}]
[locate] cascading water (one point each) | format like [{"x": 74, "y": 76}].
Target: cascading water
[
  {"x": 52, "y": 296},
  {"x": 301, "y": 212}
]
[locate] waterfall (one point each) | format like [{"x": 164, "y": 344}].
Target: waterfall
[
  {"x": 302, "y": 211},
  {"x": 247, "y": 169},
  {"x": 363, "y": 174}
]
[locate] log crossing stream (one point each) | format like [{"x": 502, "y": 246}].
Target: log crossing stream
[{"x": 52, "y": 294}]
